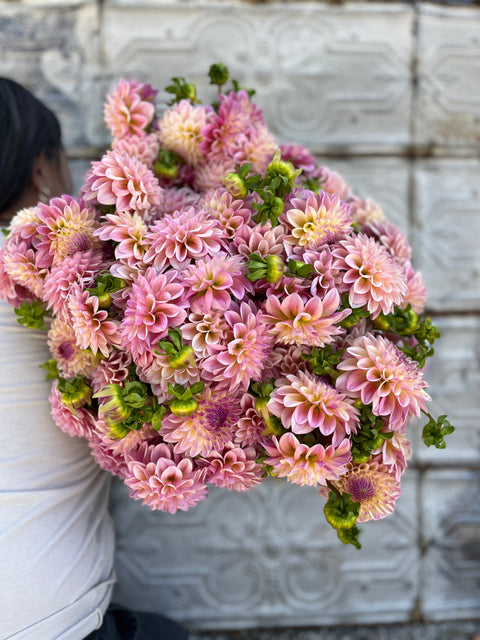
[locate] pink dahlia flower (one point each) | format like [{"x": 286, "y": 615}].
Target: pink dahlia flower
[
  {"x": 112, "y": 370},
  {"x": 21, "y": 264},
  {"x": 251, "y": 426},
  {"x": 395, "y": 453},
  {"x": 392, "y": 238},
  {"x": 105, "y": 457},
  {"x": 211, "y": 282},
  {"x": 159, "y": 374},
  {"x": 211, "y": 174},
  {"x": 331, "y": 182},
  {"x": 180, "y": 130},
  {"x": 294, "y": 321},
  {"x": 235, "y": 114},
  {"x": 91, "y": 324},
  {"x": 163, "y": 480},
  {"x": 230, "y": 213},
  {"x": 10, "y": 291},
  {"x": 299, "y": 156},
  {"x": 326, "y": 276},
  {"x": 376, "y": 280},
  {"x": 209, "y": 429},
  {"x": 71, "y": 360},
  {"x": 416, "y": 291},
  {"x": 23, "y": 225},
  {"x": 205, "y": 331},
  {"x": 304, "y": 465},
  {"x": 124, "y": 182},
  {"x": 374, "y": 487},
  {"x": 129, "y": 231},
  {"x": 365, "y": 211},
  {"x": 303, "y": 404},
  {"x": 129, "y": 108},
  {"x": 155, "y": 304},
  {"x": 378, "y": 373},
  {"x": 78, "y": 423},
  {"x": 178, "y": 199},
  {"x": 314, "y": 220},
  {"x": 261, "y": 239},
  {"x": 81, "y": 268},
  {"x": 233, "y": 468},
  {"x": 241, "y": 359},
  {"x": 283, "y": 360},
  {"x": 65, "y": 228},
  {"x": 178, "y": 239},
  {"x": 257, "y": 146},
  {"x": 144, "y": 148}
]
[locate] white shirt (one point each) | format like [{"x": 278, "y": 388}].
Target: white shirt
[{"x": 56, "y": 537}]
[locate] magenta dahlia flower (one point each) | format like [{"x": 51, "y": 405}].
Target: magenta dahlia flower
[
  {"x": 178, "y": 239},
  {"x": 81, "y": 268},
  {"x": 378, "y": 373},
  {"x": 304, "y": 403},
  {"x": 304, "y": 465},
  {"x": 210, "y": 283},
  {"x": 209, "y": 429},
  {"x": 299, "y": 156},
  {"x": 376, "y": 280},
  {"x": 129, "y": 108},
  {"x": 155, "y": 304},
  {"x": 234, "y": 468},
  {"x": 124, "y": 182},
  {"x": 294, "y": 321},
  {"x": 163, "y": 480},
  {"x": 242, "y": 357},
  {"x": 91, "y": 324}
]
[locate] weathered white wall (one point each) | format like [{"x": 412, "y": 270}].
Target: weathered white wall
[{"x": 389, "y": 95}]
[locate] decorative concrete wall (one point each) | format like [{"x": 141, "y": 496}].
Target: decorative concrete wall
[{"x": 389, "y": 95}]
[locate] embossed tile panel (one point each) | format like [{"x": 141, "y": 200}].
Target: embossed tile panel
[
  {"x": 451, "y": 527},
  {"x": 449, "y": 72},
  {"x": 54, "y": 51},
  {"x": 454, "y": 378},
  {"x": 325, "y": 76},
  {"x": 447, "y": 228},
  {"x": 265, "y": 558}
]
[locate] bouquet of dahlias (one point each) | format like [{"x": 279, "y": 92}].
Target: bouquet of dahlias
[{"x": 219, "y": 308}]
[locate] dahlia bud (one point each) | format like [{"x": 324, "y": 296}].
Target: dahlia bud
[
  {"x": 183, "y": 407},
  {"x": 341, "y": 512},
  {"x": 75, "y": 393},
  {"x": 184, "y": 357},
  {"x": 275, "y": 268},
  {"x": 115, "y": 410},
  {"x": 218, "y": 74},
  {"x": 283, "y": 169},
  {"x": 235, "y": 185}
]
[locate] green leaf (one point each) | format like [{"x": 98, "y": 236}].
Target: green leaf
[{"x": 31, "y": 315}]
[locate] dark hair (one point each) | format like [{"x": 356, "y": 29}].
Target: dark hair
[{"x": 27, "y": 128}]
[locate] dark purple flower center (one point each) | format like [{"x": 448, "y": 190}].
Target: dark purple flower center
[
  {"x": 361, "y": 488},
  {"x": 216, "y": 417},
  {"x": 66, "y": 350}
]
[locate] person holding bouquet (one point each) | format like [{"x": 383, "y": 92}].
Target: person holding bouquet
[{"x": 56, "y": 535}]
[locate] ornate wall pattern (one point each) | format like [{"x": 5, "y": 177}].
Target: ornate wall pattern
[{"x": 389, "y": 95}]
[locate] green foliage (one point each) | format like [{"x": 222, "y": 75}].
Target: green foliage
[
  {"x": 51, "y": 368},
  {"x": 181, "y": 90},
  {"x": 341, "y": 512},
  {"x": 323, "y": 362},
  {"x": 106, "y": 285},
  {"x": 435, "y": 431},
  {"x": 31, "y": 315},
  {"x": 370, "y": 434}
]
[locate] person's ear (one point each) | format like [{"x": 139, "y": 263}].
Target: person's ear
[{"x": 41, "y": 178}]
